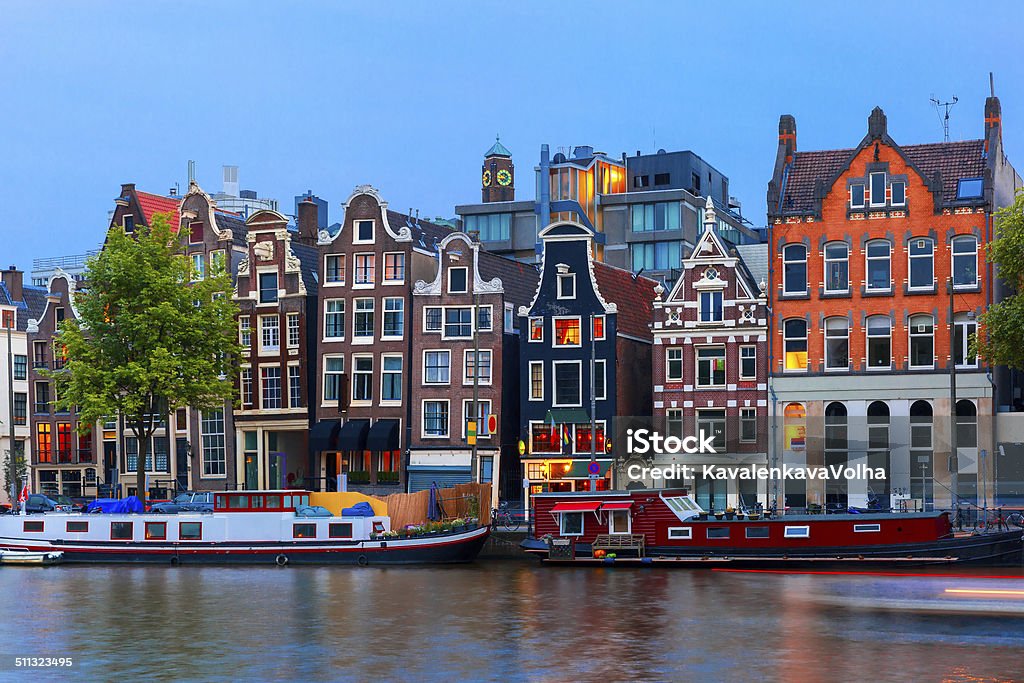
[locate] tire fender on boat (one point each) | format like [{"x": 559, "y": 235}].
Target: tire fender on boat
[
  {"x": 362, "y": 561},
  {"x": 174, "y": 561},
  {"x": 281, "y": 560}
]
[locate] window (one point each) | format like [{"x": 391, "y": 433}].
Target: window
[
  {"x": 748, "y": 424},
  {"x": 334, "y": 269},
  {"x": 246, "y": 382},
  {"x": 656, "y": 255},
  {"x": 190, "y": 531},
  {"x": 674, "y": 422},
  {"x": 837, "y": 267},
  {"x": 218, "y": 262},
  {"x": 794, "y": 340},
  {"x": 712, "y": 422},
  {"x": 458, "y": 280},
  {"x": 294, "y": 387},
  {"x": 77, "y": 527},
  {"x": 711, "y": 307},
  {"x": 128, "y": 222},
  {"x": 568, "y": 383},
  {"x": 922, "y": 259},
  {"x": 652, "y": 217},
  {"x": 365, "y": 267},
  {"x": 674, "y": 364},
  {"x": 797, "y": 531},
  {"x": 39, "y": 354},
  {"x": 922, "y": 344},
  {"x": 837, "y": 344},
  {"x": 898, "y": 192},
  {"x": 340, "y": 530},
  {"x": 156, "y": 531},
  {"x": 394, "y": 267},
  {"x": 458, "y": 323},
  {"x": 543, "y": 439},
  {"x": 878, "y": 253},
  {"x": 195, "y": 232},
  {"x": 877, "y": 189},
  {"x": 619, "y": 522},
  {"x": 293, "y": 330},
  {"x": 20, "y": 366},
  {"x": 598, "y": 327},
  {"x": 198, "y": 267},
  {"x": 680, "y": 533},
  {"x": 394, "y": 317},
  {"x": 866, "y": 528},
  {"x": 566, "y": 285},
  {"x": 42, "y": 397},
  {"x": 857, "y": 196},
  {"x": 965, "y": 261},
  {"x": 536, "y": 380},
  {"x": 567, "y": 331},
  {"x": 493, "y": 227},
  {"x": 244, "y": 332},
  {"x": 756, "y": 532},
  {"x": 432, "y": 316},
  {"x": 391, "y": 378},
  {"x": 334, "y": 371},
  {"x": 571, "y": 524},
  {"x": 122, "y": 531},
  {"x": 966, "y": 424},
  {"x": 641, "y": 180},
  {"x": 483, "y": 375},
  {"x": 510, "y": 320},
  {"x": 63, "y": 442},
  {"x": 270, "y": 333},
  {"x": 969, "y": 188},
  {"x": 33, "y": 527},
  {"x": 44, "y": 442},
  {"x": 483, "y": 410},
  {"x": 304, "y": 530},
  {"x": 536, "y": 329},
  {"x": 270, "y": 387},
  {"x": 212, "y": 436},
  {"x": 435, "y": 418},
  {"x": 600, "y": 380},
  {"x": 268, "y": 287},
  {"x": 748, "y": 362},
  {"x": 484, "y": 319},
  {"x": 964, "y": 329},
  {"x": 363, "y": 327},
  {"x": 711, "y": 367},
  {"x": 20, "y": 408},
  {"x": 437, "y": 367},
  {"x": 879, "y": 330},
  {"x": 362, "y": 381},
  {"x": 364, "y": 231},
  {"x": 661, "y": 179},
  {"x": 794, "y": 269}
]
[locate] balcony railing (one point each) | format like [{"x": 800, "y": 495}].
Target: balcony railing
[
  {"x": 59, "y": 363},
  {"x": 39, "y": 364},
  {"x": 41, "y": 407}
]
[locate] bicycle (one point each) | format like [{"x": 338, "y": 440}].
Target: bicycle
[{"x": 502, "y": 517}]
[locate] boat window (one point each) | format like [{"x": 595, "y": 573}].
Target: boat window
[
  {"x": 861, "y": 528},
  {"x": 718, "y": 532},
  {"x": 122, "y": 531},
  {"x": 798, "y": 532},
  {"x": 619, "y": 522},
  {"x": 571, "y": 524},
  {"x": 78, "y": 527},
  {"x": 680, "y": 532},
  {"x": 341, "y": 530},
  {"x": 33, "y": 526},
  {"x": 303, "y": 500},
  {"x": 287, "y": 501},
  {"x": 303, "y": 530},
  {"x": 156, "y": 531},
  {"x": 238, "y": 502},
  {"x": 256, "y": 501},
  {"x": 190, "y": 531},
  {"x": 757, "y": 532},
  {"x": 273, "y": 502},
  {"x": 220, "y": 502},
  {"x": 378, "y": 527}
]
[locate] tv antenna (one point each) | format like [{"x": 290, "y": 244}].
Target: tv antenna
[{"x": 944, "y": 117}]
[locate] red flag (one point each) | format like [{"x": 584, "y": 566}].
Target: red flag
[{"x": 23, "y": 498}]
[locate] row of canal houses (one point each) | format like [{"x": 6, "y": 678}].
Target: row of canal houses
[{"x": 368, "y": 344}]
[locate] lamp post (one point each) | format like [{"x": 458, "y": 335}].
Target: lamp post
[
  {"x": 12, "y": 470},
  {"x": 954, "y": 464},
  {"x": 592, "y": 468}
]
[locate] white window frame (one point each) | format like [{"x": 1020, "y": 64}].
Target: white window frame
[
  {"x": 467, "y": 410},
  {"x": 364, "y": 338},
  {"x": 343, "y": 263},
  {"x": 329, "y": 373},
  {"x": 554, "y": 332},
  {"x": 752, "y": 347},
  {"x": 912, "y": 334},
  {"x": 294, "y": 367},
  {"x": 267, "y": 349},
  {"x": 961, "y": 320},
  {"x": 786, "y": 341},
  {"x": 245, "y": 331},
  {"x": 355, "y": 231},
  {"x": 868, "y": 287},
  {"x": 447, "y": 421},
  {"x": 440, "y": 329},
  {"x": 509, "y": 320},
  {"x": 384, "y": 275},
  {"x": 892, "y": 193},
  {"x": 468, "y": 381},
  {"x": 198, "y": 266},
  {"x": 680, "y": 533},
  {"x": 786, "y": 260},
  {"x": 356, "y": 357},
  {"x": 424, "y": 381},
  {"x": 562, "y": 279},
  {"x": 866, "y": 528},
  {"x": 601, "y": 370},
  {"x": 911, "y": 257},
  {"x": 973, "y": 254},
  {"x": 867, "y": 343},
  {"x": 706, "y": 313},
  {"x": 829, "y": 337},
  {"x": 863, "y": 194},
  {"x": 535, "y": 322},
  {"x": 629, "y": 522},
  {"x": 543, "y": 383},
  {"x": 465, "y": 271},
  {"x": 803, "y": 531},
  {"x": 831, "y": 260},
  {"x": 696, "y": 365},
  {"x": 367, "y": 257},
  {"x": 561, "y": 523},
  {"x": 874, "y": 201},
  {"x": 245, "y": 378},
  {"x": 747, "y": 414},
  {"x": 296, "y": 328},
  {"x": 554, "y": 383},
  {"x": 259, "y": 287},
  {"x": 490, "y": 317},
  {"x": 669, "y": 352},
  {"x": 604, "y": 327},
  {"x": 384, "y": 372},
  {"x": 280, "y": 386},
  {"x": 444, "y": 322},
  {"x": 384, "y": 317},
  {"x": 327, "y": 303}
]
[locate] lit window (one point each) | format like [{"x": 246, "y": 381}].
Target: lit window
[
  {"x": 794, "y": 333},
  {"x": 598, "y": 331},
  {"x": 794, "y": 269},
  {"x": 878, "y": 265},
  {"x": 536, "y": 329},
  {"x": 879, "y": 334},
  {"x": 365, "y": 269},
  {"x": 922, "y": 258},
  {"x": 567, "y": 332},
  {"x": 394, "y": 267},
  {"x": 837, "y": 267},
  {"x": 922, "y": 343}
]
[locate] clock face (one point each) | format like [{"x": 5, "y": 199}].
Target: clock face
[
  {"x": 487, "y": 178},
  {"x": 504, "y": 177}
]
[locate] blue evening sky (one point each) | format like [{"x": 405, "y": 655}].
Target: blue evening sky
[{"x": 408, "y": 95}]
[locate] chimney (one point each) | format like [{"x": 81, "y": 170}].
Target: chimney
[
  {"x": 308, "y": 221},
  {"x": 127, "y": 189},
  {"x": 993, "y": 121},
  {"x": 12, "y": 278},
  {"x": 231, "y": 181},
  {"x": 877, "y": 124},
  {"x": 787, "y": 136}
]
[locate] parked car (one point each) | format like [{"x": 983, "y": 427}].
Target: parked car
[
  {"x": 37, "y": 502},
  {"x": 190, "y": 501}
]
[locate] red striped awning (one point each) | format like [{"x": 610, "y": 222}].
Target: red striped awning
[
  {"x": 618, "y": 506},
  {"x": 580, "y": 506}
]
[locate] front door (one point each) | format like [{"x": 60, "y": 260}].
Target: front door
[
  {"x": 252, "y": 481},
  {"x": 276, "y": 471},
  {"x": 181, "y": 453}
]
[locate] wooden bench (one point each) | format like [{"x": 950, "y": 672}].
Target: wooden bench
[{"x": 616, "y": 542}]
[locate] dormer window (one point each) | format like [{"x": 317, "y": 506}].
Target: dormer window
[
  {"x": 857, "y": 196},
  {"x": 969, "y": 188},
  {"x": 364, "y": 232},
  {"x": 877, "y": 189},
  {"x": 566, "y": 285},
  {"x": 458, "y": 280}
]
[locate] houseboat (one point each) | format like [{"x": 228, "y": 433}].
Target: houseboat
[
  {"x": 668, "y": 528},
  {"x": 246, "y": 527}
]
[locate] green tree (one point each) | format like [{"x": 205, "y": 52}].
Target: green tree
[
  {"x": 148, "y": 340},
  {"x": 1003, "y": 340}
]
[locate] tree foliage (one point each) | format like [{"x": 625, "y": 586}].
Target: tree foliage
[
  {"x": 1003, "y": 340},
  {"x": 147, "y": 340}
]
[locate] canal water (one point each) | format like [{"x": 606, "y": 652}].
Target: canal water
[{"x": 507, "y": 621}]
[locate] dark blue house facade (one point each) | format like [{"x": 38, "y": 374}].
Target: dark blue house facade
[{"x": 587, "y": 327}]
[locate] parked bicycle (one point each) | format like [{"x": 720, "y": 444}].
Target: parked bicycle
[{"x": 503, "y": 518}]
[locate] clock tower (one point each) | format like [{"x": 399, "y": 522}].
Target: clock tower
[{"x": 497, "y": 180}]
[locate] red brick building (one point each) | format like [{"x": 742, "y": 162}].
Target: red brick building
[{"x": 864, "y": 242}]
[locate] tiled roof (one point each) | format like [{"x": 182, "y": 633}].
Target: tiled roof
[
  {"x": 955, "y": 160},
  {"x": 498, "y": 150},
  {"x": 227, "y": 220},
  {"x": 424, "y": 233},
  {"x": 35, "y": 303},
  {"x": 5, "y": 296},
  {"x": 154, "y": 203},
  {"x": 519, "y": 280},
  {"x": 755, "y": 258},
  {"x": 634, "y": 297}
]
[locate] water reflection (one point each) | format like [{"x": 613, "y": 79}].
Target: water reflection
[{"x": 503, "y": 621}]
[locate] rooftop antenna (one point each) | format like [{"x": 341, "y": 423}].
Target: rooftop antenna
[
  {"x": 946, "y": 106},
  {"x": 191, "y": 171}
]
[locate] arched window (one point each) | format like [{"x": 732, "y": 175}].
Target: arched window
[
  {"x": 794, "y": 339},
  {"x": 965, "y": 261},
  {"x": 920, "y": 425},
  {"x": 837, "y": 344},
  {"x": 878, "y": 425},
  {"x": 922, "y": 341},
  {"x": 837, "y": 267},
  {"x": 878, "y": 255},
  {"x": 835, "y": 426},
  {"x": 794, "y": 269},
  {"x": 967, "y": 424},
  {"x": 795, "y": 426},
  {"x": 879, "y": 332}
]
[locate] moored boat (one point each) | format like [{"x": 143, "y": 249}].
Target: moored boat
[
  {"x": 29, "y": 558},
  {"x": 249, "y": 527},
  {"x": 668, "y": 528}
]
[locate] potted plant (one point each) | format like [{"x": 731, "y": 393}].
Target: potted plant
[
  {"x": 719, "y": 515},
  {"x": 458, "y": 524},
  {"x": 753, "y": 516},
  {"x": 730, "y": 512}
]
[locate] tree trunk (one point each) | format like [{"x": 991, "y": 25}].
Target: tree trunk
[{"x": 140, "y": 466}]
